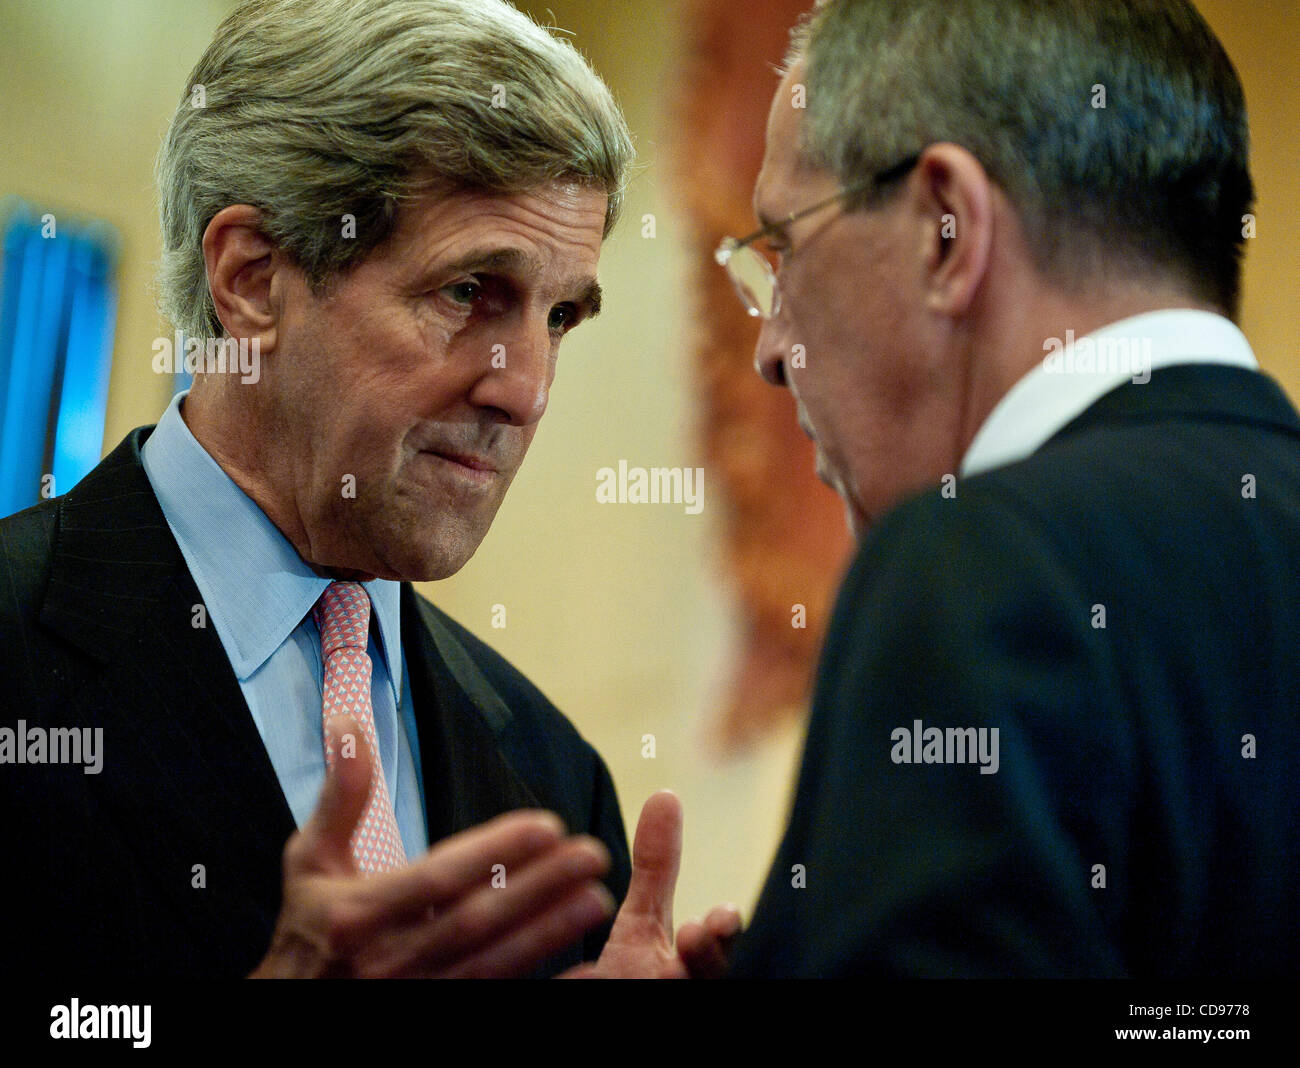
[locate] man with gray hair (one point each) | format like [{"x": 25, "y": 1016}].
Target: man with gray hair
[
  {"x": 1055, "y": 725},
  {"x": 395, "y": 208}
]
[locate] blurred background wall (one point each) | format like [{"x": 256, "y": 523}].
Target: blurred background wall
[{"x": 617, "y": 612}]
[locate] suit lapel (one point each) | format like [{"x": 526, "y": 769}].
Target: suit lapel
[
  {"x": 461, "y": 720},
  {"x": 184, "y": 767},
  {"x": 459, "y": 717}
]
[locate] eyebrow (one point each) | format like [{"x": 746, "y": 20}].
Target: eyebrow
[{"x": 513, "y": 261}]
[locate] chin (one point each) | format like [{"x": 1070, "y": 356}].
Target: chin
[
  {"x": 402, "y": 562},
  {"x": 855, "y": 516},
  {"x": 859, "y": 523},
  {"x": 434, "y": 572},
  {"x": 430, "y": 558},
  {"x": 423, "y": 564},
  {"x": 416, "y": 544}
]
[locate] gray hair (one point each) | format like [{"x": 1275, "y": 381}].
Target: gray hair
[
  {"x": 310, "y": 110},
  {"x": 1156, "y": 182}
]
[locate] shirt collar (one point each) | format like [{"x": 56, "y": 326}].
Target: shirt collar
[
  {"x": 255, "y": 586},
  {"x": 1078, "y": 371}
]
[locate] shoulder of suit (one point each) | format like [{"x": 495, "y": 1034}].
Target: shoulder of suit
[
  {"x": 1024, "y": 518},
  {"x": 1027, "y": 498},
  {"x": 26, "y": 547}
]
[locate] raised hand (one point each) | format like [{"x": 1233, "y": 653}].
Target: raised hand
[
  {"x": 441, "y": 915},
  {"x": 641, "y": 943}
]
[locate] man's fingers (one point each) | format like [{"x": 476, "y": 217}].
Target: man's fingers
[
  {"x": 471, "y": 858},
  {"x": 325, "y": 842},
  {"x": 530, "y": 897},
  {"x": 705, "y": 948},
  {"x": 656, "y": 858},
  {"x": 723, "y": 922},
  {"x": 559, "y": 927}
]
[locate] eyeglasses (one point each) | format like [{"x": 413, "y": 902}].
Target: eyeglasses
[{"x": 749, "y": 270}]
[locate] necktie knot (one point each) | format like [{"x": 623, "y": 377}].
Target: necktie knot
[{"x": 343, "y": 616}]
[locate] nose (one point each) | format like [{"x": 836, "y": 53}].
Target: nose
[
  {"x": 517, "y": 375},
  {"x": 769, "y": 355}
]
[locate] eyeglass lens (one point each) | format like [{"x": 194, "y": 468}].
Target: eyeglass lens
[{"x": 752, "y": 276}]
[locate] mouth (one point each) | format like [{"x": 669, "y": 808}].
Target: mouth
[
  {"x": 465, "y": 459},
  {"x": 475, "y": 469}
]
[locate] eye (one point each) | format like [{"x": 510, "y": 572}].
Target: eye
[
  {"x": 563, "y": 318},
  {"x": 462, "y": 292}
]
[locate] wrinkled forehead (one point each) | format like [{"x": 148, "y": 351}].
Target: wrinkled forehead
[{"x": 558, "y": 220}]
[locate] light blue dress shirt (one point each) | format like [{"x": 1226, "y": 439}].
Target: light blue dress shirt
[{"x": 258, "y": 595}]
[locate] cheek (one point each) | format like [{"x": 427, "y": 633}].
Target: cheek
[
  {"x": 813, "y": 360},
  {"x": 389, "y": 380}
]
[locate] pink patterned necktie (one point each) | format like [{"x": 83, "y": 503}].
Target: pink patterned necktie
[{"x": 343, "y": 616}]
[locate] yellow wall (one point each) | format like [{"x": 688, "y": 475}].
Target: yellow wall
[
  {"x": 613, "y": 610},
  {"x": 1261, "y": 36},
  {"x": 88, "y": 87}
]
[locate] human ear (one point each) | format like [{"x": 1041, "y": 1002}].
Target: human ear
[
  {"x": 953, "y": 202},
  {"x": 242, "y": 263}
]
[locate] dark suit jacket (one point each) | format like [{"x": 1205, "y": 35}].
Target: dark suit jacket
[
  {"x": 96, "y": 631},
  {"x": 1121, "y": 747}
]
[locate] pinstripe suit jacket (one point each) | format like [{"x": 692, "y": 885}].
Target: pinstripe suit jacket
[{"x": 167, "y": 862}]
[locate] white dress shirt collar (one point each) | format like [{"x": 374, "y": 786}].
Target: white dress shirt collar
[{"x": 1076, "y": 372}]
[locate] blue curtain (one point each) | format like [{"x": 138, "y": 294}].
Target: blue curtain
[{"x": 57, "y": 311}]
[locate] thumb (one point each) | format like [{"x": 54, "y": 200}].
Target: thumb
[
  {"x": 656, "y": 858},
  {"x": 343, "y": 798}
]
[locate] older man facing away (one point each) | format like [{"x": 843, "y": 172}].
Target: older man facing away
[{"x": 1057, "y": 717}]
